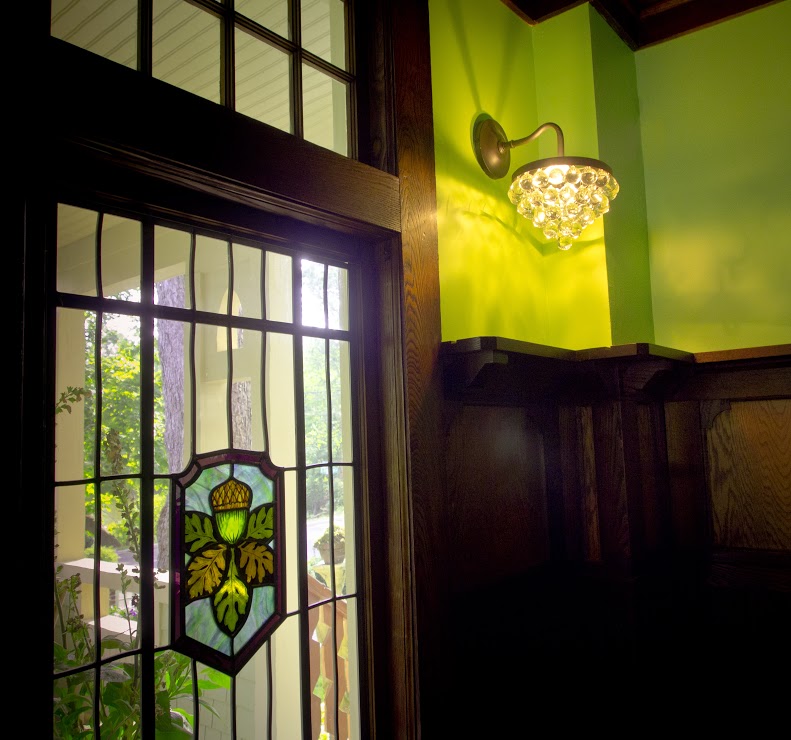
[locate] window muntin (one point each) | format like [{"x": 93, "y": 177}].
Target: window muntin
[
  {"x": 243, "y": 55},
  {"x": 246, "y": 393}
]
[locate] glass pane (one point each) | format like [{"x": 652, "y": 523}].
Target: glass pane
[
  {"x": 252, "y": 689},
  {"x": 120, "y": 537},
  {"x": 75, "y": 405},
  {"x": 324, "y": 110},
  {"x": 162, "y": 564},
  {"x": 171, "y": 396},
  {"x": 211, "y": 275},
  {"x": 77, "y": 250},
  {"x": 263, "y": 82},
  {"x": 105, "y": 28},
  {"x": 211, "y": 374},
  {"x": 348, "y": 674},
  {"x": 186, "y": 48},
  {"x": 74, "y": 577},
  {"x": 217, "y": 725},
  {"x": 327, "y": 555},
  {"x": 247, "y": 403},
  {"x": 120, "y": 698},
  {"x": 338, "y": 297},
  {"x": 316, "y": 402},
  {"x": 324, "y": 30},
  {"x": 272, "y": 14},
  {"x": 72, "y": 703},
  {"x": 323, "y": 627},
  {"x": 279, "y": 281},
  {"x": 120, "y": 605},
  {"x": 121, "y": 258},
  {"x": 171, "y": 267},
  {"x": 120, "y": 389},
  {"x": 292, "y": 543},
  {"x": 173, "y": 669},
  {"x": 341, "y": 398},
  {"x": 313, "y": 294},
  {"x": 281, "y": 416},
  {"x": 343, "y": 516},
  {"x": 247, "y": 281},
  {"x": 286, "y": 674}
]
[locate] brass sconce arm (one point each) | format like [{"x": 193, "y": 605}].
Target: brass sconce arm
[
  {"x": 532, "y": 137},
  {"x": 493, "y": 148}
]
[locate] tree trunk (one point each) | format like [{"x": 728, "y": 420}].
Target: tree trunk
[{"x": 171, "y": 357}]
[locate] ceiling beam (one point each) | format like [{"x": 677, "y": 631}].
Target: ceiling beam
[{"x": 642, "y": 23}]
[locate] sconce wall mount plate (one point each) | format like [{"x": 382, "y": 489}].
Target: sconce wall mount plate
[{"x": 560, "y": 195}]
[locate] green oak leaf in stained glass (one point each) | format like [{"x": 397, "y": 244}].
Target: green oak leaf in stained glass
[{"x": 229, "y": 552}]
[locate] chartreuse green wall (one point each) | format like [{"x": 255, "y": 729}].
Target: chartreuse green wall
[
  {"x": 695, "y": 253},
  {"x": 491, "y": 266},
  {"x": 620, "y": 145},
  {"x": 715, "y": 113},
  {"x": 498, "y": 274},
  {"x": 576, "y": 280}
]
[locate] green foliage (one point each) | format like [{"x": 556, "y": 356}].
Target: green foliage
[
  {"x": 120, "y": 374},
  {"x": 316, "y": 427},
  {"x": 70, "y": 396},
  {"x": 339, "y": 540},
  {"x": 105, "y": 553},
  {"x": 120, "y": 688}
]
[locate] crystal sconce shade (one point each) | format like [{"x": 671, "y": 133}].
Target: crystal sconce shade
[{"x": 560, "y": 195}]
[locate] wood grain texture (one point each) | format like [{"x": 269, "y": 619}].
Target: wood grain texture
[
  {"x": 654, "y": 479},
  {"x": 613, "y": 503},
  {"x": 686, "y": 469},
  {"x": 748, "y": 450},
  {"x": 740, "y": 382},
  {"x": 580, "y": 494},
  {"x": 497, "y": 493},
  {"x": 386, "y": 517},
  {"x": 590, "y": 494},
  {"x": 414, "y": 157}
]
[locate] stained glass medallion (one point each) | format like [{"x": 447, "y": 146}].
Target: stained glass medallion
[{"x": 228, "y": 583}]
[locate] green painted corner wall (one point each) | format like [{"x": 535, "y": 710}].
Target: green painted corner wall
[
  {"x": 626, "y": 228},
  {"x": 498, "y": 275},
  {"x": 715, "y": 115},
  {"x": 576, "y": 280}
]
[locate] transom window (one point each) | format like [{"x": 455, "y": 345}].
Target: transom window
[
  {"x": 204, "y": 410},
  {"x": 283, "y": 62}
]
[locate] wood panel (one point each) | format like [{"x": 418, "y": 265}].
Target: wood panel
[
  {"x": 686, "y": 469},
  {"x": 748, "y": 448},
  {"x": 497, "y": 513},
  {"x": 613, "y": 506},
  {"x": 580, "y": 494}
]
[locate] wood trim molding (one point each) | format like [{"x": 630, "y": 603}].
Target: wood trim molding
[
  {"x": 414, "y": 161},
  {"x": 110, "y": 118}
]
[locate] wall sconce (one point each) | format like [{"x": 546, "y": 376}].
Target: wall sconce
[{"x": 560, "y": 195}]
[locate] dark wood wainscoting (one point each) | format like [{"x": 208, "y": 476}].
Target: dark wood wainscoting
[{"x": 620, "y": 514}]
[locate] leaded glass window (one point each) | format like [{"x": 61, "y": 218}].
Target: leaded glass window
[{"x": 204, "y": 428}]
